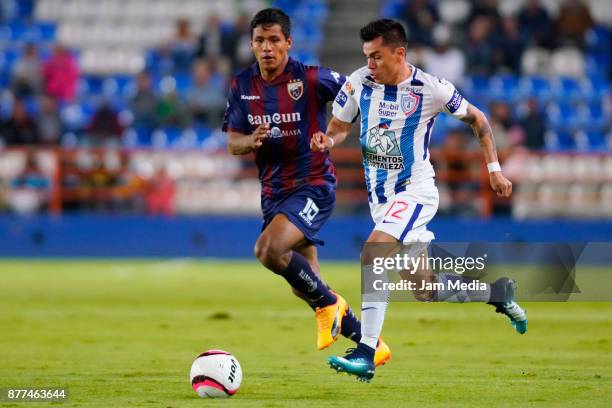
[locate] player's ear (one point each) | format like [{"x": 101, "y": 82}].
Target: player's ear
[
  {"x": 289, "y": 42},
  {"x": 401, "y": 52}
]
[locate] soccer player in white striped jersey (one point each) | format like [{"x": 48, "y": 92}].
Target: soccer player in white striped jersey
[{"x": 398, "y": 104}]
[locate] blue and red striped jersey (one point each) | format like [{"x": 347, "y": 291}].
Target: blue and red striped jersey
[{"x": 294, "y": 104}]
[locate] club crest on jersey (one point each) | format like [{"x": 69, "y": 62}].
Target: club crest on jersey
[
  {"x": 410, "y": 103},
  {"x": 295, "y": 89}
]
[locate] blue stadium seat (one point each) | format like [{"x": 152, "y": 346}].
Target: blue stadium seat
[
  {"x": 476, "y": 86},
  {"x": 504, "y": 87},
  {"x": 535, "y": 86},
  {"x": 74, "y": 117},
  {"x": 9, "y": 56},
  {"x": 598, "y": 39},
  {"x": 5, "y": 33},
  {"x": 305, "y": 56},
  {"x": 287, "y": 5},
  {"x": 32, "y": 105},
  {"x": 592, "y": 117},
  {"x": 143, "y": 136},
  {"x": 5, "y": 76},
  {"x": 593, "y": 68},
  {"x": 93, "y": 85},
  {"x": 597, "y": 87},
  {"x": 597, "y": 140},
  {"x": 563, "y": 116},
  {"x": 567, "y": 89},
  {"x": 183, "y": 82},
  {"x": 48, "y": 31},
  {"x": 307, "y": 37},
  {"x": 559, "y": 141},
  {"x": 119, "y": 86},
  {"x": 25, "y": 8},
  {"x": 392, "y": 8}
]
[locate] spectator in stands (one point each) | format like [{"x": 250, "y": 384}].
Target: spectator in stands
[
  {"x": 509, "y": 47},
  {"x": 533, "y": 125},
  {"x": 105, "y": 128},
  {"x": 535, "y": 24},
  {"x": 218, "y": 43},
  {"x": 49, "y": 124},
  {"x": 444, "y": 61},
  {"x": 478, "y": 48},
  {"x": 420, "y": 17},
  {"x": 416, "y": 55},
  {"x": 171, "y": 110},
  {"x": 182, "y": 46},
  {"x": 206, "y": 98},
  {"x": 160, "y": 194},
  {"x": 20, "y": 128},
  {"x": 61, "y": 74},
  {"x": 144, "y": 103},
  {"x": 26, "y": 76},
  {"x": 574, "y": 21},
  {"x": 30, "y": 191},
  {"x": 8, "y": 9},
  {"x": 505, "y": 129},
  {"x": 485, "y": 9},
  {"x": 243, "y": 56}
]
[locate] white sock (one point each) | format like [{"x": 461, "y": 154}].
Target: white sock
[
  {"x": 372, "y": 319},
  {"x": 373, "y": 314}
]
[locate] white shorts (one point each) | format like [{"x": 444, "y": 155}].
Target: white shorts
[{"x": 405, "y": 215}]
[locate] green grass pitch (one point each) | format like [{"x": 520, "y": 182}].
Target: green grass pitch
[{"x": 124, "y": 334}]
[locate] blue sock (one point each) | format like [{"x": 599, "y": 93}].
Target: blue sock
[
  {"x": 365, "y": 351},
  {"x": 300, "y": 276},
  {"x": 351, "y": 327}
]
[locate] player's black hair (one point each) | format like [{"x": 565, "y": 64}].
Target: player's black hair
[
  {"x": 391, "y": 31},
  {"x": 269, "y": 16}
]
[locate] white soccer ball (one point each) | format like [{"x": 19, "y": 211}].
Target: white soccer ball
[{"x": 216, "y": 374}]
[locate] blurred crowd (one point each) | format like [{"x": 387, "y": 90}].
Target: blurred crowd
[
  {"x": 184, "y": 85},
  {"x": 482, "y": 39},
  {"x": 485, "y": 42}
]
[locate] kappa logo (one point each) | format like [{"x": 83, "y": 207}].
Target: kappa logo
[
  {"x": 250, "y": 97},
  {"x": 336, "y": 76},
  {"x": 295, "y": 89}
]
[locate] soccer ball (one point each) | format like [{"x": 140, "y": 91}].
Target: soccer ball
[{"x": 216, "y": 374}]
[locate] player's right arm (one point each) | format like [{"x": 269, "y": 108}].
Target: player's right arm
[
  {"x": 240, "y": 140},
  {"x": 345, "y": 111},
  {"x": 239, "y": 143}
]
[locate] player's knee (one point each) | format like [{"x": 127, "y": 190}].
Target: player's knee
[{"x": 268, "y": 254}]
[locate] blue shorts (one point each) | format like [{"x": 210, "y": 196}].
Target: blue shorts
[{"x": 308, "y": 208}]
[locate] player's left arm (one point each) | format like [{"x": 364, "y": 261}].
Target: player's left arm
[{"x": 482, "y": 130}]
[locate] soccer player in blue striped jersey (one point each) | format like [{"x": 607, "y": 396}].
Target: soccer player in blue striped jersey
[
  {"x": 274, "y": 107},
  {"x": 399, "y": 104}
]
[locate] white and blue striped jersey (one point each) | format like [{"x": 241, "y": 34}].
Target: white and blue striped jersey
[{"x": 396, "y": 123}]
